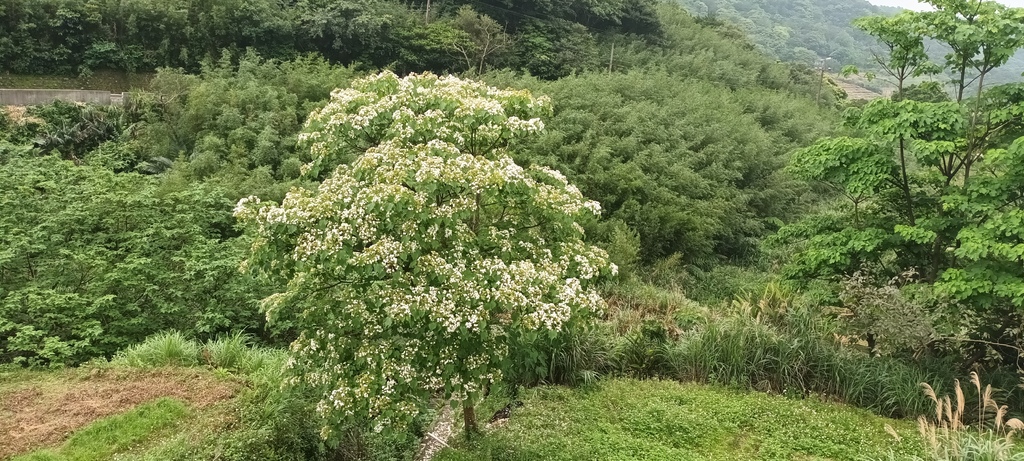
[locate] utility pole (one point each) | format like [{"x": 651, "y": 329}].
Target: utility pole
[{"x": 821, "y": 80}]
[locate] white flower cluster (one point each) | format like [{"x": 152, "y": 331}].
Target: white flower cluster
[
  {"x": 414, "y": 267},
  {"x": 408, "y": 111}
]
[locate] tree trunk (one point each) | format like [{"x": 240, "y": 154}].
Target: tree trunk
[
  {"x": 906, "y": 183},
  {"x": 963, "y": 79},
  {"x": 976, "y": 146},
  {"x": 469, "y": 418}
]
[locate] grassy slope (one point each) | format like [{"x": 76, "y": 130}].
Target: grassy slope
[
  {"x": 661, "y": 420},
  {"x": 618, "y": 420},
  {"x": 146, "y": 408},
  {"x": 115, "y": 82},
  {"x": 117, "y": 434}
]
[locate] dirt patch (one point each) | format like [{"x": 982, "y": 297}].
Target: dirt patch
[
  {"x": 855, "y": 92},
  {"x": 45, "y": 412}
]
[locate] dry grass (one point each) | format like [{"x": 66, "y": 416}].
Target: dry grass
[
  {"x": 944, "y": 434},
  {"x": 773, "y": 305},
  {"x": 19, "y": 116}
]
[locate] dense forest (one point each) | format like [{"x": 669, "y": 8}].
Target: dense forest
[
  {"x": 322, "y": 176},
  {"x": 549, "y": 40}
]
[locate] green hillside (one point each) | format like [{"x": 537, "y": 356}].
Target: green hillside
[
  {"x": 802, "y": 31},
  {"x": 353, "y": 230},
  {"x": 805, "y": 31}
]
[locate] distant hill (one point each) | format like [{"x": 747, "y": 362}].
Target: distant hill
[
  {"x": 798, "y": 30},
  {"x": 804, "y": 31}
]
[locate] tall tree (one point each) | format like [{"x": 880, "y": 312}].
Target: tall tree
[
  {"x": 931, "y": 186},
  {"x": 414, "y": 269}
]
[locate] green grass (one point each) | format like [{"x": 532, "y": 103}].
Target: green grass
[
  {"x": 163, "y": 349},
  {"x": 109, "y": 436},
  {"x": 664, "y": 420}
]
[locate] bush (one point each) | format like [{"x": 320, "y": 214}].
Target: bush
[
  {"x": 642, "y": 353},
  {"x": 132, "y": 257}
]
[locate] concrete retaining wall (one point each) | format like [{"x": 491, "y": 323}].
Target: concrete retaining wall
[{"x": 10, "y": 97}]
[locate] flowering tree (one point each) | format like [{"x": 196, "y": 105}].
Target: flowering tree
[{"x": 413, "y": 269}]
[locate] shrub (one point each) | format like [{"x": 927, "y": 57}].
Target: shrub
[
  {"x": 132, "y": 257},
  {"x": 884, "y": 316}
]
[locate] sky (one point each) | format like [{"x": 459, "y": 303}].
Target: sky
[{"x": 915, "y": 5}]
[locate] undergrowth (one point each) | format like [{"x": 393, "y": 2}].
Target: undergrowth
[{"x": 764, "y": 342}]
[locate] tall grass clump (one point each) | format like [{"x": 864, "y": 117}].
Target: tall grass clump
[
  {"x": 886, "y": 385},
  {"x": 770, "y": 343},
  {"x": 634, "y": 305},
  {"x": 226, "y": 352},
  {"x": 233, "y": 352},
  {"x": 170, "y": 348},
  {"x": 580, "y": 355},
  {"x": 950, "y": 436},
  {"x": 990, "y": 438},
  {"x": 766, "y": 341},
  {"x": 643, "y": 352}
]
